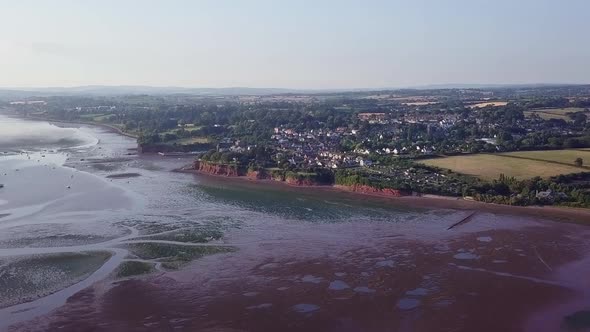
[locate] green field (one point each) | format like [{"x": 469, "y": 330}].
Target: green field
[
  {"x": 193, "y": 128},
  {"x": 553, "y": 113},
  {"x": 89, "y": 116},
  {"x": 559, "y": 156},
  {"x": 183, "y": 141},
  {"x": 191, "y": 140},
  {"x": 521, "y": 165},
  {"x": 96, "y": 117}
]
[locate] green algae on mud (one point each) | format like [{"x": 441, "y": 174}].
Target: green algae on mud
[
  {"x": 26, "y": 279},
  {"x": 195, "y": 235},
  {"x": 173, "y": 256},
  {"x": 133, "y": 268},
  {"x": 57, "y": 235},
  {"x": 213, "y": 224},
  {"x": 57, "y": 240}
]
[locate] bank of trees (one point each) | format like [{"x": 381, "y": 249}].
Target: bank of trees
[{"x": 570, "y": 190}]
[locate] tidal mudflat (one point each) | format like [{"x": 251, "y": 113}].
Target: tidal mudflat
[{"x": 165, "y": 250}]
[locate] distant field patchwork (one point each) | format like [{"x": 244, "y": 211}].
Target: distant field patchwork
[
  {"x": 521, "y": 165},
  {"x": 489, "y": 103},
  {"x": 421, "y": 103},
  {"x": 553, "y": 113}
]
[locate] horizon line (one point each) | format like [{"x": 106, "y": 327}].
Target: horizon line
[{"x": 428, "y": 85}]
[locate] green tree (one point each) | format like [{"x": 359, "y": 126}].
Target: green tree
[{"x": 579, "y": 118}]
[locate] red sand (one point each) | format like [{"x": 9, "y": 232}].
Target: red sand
[{"x": 520, "y": 279}]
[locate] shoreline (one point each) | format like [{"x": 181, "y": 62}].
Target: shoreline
[
  {"x": 383, "y": 259},
  {"x": 108, "y": 127},
  {"x": 428, "y": 201}
]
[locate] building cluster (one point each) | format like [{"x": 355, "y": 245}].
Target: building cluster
[{"x": 315, "y": 147}]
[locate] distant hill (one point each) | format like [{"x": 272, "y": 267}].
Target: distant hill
[
  {"x": 487, "y": 86},
  {"x": 139, "y": 90},
  {"x": 104, "y": 90}
]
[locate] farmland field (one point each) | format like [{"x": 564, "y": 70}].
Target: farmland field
[
  {"x": 560, "y": 156},
  {"x": 553, "y": 113},
  {"x": 421, "y": 103},
  {"x": 489, "y": 103},
  {"x": 175, "y": 131},
  {"x": 193, "y": 128},
  {"x": 516, "y": 164},
  {"x": 192, "y": 140}
]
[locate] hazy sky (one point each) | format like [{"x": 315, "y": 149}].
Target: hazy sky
[{"x": 293, "y": 44}]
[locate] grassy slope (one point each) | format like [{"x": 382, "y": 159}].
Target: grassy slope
[{"x": 554, "y": 113}]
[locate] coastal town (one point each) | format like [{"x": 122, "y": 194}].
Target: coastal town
[
  {"x": 295, "y": 166},
  {"x": 453, "y": 142}
]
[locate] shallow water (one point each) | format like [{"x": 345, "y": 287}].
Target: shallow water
[
  {"x": 63, "y": 195},
  {"x": 257, "y": 252}
]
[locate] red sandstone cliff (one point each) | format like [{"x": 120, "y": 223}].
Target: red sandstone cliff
[
  {"x": 301, "y": 182},
  {"x": 258, "y": 175},
  {"x": 216, "y": 169},
  {"x": 234, "y": 171},
  {"x": 372, "y": 190}
]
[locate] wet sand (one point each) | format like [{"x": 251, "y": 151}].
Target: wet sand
[
  {"x": 370, "y": 264},
  {"x": 496, "y": 273}
]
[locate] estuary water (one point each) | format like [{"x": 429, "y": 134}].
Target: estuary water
[{"x": 95, "y": 237}]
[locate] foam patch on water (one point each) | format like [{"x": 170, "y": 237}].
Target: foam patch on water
[
  {"x": 311, "y": 279},
  {"x": 484, "y": 239},
  {"x": 364, "y": 289},
  {"x": 417, "y": 292},
  {"x": 466, "y": 256},
  {"x": 386, "y": 263},
  {"x": 268, "y": 266},
  {"x": 305, "y": 308},
  {"x": 408, "y": 304},
  {"x": 338, "y": 285}
]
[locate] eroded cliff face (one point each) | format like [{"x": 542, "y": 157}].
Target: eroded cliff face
[
  {"x": 299, "y": 182},
  {"x": 257, "y": 175},
  {"x": 372, "y": 190},
  {"x": 216, "y": 169},
  {"x": 234, "y": 171}
]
